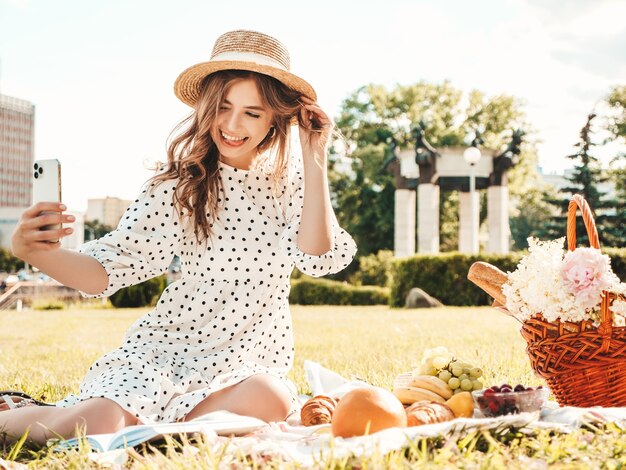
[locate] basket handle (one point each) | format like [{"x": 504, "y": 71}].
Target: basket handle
[
  {"x": 606, "y": 317},
  {"x": 606, "y": 321},
  {"x": 592, "y": 232}
]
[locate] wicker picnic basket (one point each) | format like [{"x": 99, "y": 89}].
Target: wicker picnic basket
[{"x": 583, "y": 365}]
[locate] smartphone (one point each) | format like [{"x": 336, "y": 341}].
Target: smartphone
[{"x": 47, "y": 186}]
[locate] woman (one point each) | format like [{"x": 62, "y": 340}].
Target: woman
[{"x": 240, "y": 213}]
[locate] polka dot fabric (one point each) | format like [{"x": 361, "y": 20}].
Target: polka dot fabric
[{"x": 227, "y": 317}]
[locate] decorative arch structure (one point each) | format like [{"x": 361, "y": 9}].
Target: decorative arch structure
[{"x": 421, "y": 173}]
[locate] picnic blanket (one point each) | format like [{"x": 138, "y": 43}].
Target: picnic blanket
[
  {"x": 292, "y": 442},
  {"x": 308, "y": 445}
]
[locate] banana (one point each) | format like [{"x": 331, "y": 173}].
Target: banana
[
  {"x": 432, "y": 383},
  {"x": 409, "y": 395},
  {"x": 402, "y": 380}
]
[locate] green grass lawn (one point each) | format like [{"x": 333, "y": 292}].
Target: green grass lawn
[{"x": 46, "y": 354}]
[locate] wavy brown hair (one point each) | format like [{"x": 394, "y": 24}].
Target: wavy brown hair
[{"x": 192, "y": 156}]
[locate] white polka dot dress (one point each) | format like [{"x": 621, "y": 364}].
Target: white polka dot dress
[{"x": 227, "y": 317}]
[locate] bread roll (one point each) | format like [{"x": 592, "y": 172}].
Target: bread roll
[
  {"x": 428, "y": 412},
  {"x": 488, "y": 278},
  {"x": 317, "y": 410}
]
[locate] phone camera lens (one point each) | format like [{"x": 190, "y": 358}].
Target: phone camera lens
[
  {"x": 36, "y": 166},
  {"x": 36, "y": 175},
  {"x": 40, "y": 170}
]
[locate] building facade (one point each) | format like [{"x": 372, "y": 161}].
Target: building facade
[
  {"x": 108, "y": 211},
  {"x": 17, "y": 146}
]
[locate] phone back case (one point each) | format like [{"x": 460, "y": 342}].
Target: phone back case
[
  {"x": 47, "y": 186},
  {"x": 47, "y": 181}
]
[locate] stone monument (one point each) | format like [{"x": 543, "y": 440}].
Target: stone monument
[{"x": 422, "y": 172}]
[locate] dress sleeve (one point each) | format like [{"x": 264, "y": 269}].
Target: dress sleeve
[
  {"x": 144, "y": 242},
  {"x": 343, "y": 247}
]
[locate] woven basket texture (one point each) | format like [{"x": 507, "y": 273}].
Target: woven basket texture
[{"x": 583, "y": 365}]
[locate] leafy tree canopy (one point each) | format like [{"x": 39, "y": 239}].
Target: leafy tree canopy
[
  {"x": 617, "y": 102},
  {"x": 373, "y": 114},
  {"x": 95, "y": 229}
]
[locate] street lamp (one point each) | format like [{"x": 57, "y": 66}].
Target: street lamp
[{"x": 472, "y": 156}]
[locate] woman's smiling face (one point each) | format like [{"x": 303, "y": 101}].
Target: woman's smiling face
[{"x": 242, "y": 123}]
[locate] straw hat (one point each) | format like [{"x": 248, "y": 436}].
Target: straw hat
[{"x": 242, "y": 50}]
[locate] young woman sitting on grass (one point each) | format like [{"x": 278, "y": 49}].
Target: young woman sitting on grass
[{"x": 241, "y": 213}]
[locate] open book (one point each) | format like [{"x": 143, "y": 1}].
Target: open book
[{"x": 223, "y": 423}]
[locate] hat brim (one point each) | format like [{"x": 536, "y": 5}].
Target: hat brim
[{"x": 187, "y": 85}]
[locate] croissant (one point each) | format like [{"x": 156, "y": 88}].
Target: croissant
[
  {"x": 317, "y": 410},
  {"x": 428, "y": 412}
]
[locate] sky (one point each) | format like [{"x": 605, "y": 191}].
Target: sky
[{"x": 100, "y": 73}]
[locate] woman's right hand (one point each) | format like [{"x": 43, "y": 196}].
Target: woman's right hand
[{"x": 29, "y": 238}]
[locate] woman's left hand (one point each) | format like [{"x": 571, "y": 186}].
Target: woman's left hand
[{"x": 315, "y": 129}]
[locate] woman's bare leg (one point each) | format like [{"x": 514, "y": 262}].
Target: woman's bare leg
[
  {"x": 262, "y": 396},
  {"x": 94, "y": 415}
]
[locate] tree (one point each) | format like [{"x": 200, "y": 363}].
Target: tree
[
  {"x": 365, "y": 201},
  {"x": 585, "y": 178},
  {"x": 617, "y": 102},
  {"x": 372, "y": 116},
  {"x": 531, "y": 213},
  {"x": 619, "y": 178},
  {"x": 617, "y": 127},
  {"x": 8, "y": 262},
  {"x": 95, "y": 229}
]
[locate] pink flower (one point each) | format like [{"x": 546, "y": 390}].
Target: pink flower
[{"x": 586, "y": 272}]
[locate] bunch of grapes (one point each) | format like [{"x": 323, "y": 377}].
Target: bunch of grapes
[{"x": 460, "y": 376}]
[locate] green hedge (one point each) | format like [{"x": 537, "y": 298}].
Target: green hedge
[
  {"x": 444, "y": 276},
  {"x": 374, "y": 269},
  {"x": 140, "y": 295},
  {"x": 310, "y": 291},
  {"x": 49, "y": 304}
]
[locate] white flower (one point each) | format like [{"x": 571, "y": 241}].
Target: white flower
[
  {"x": 558, "y": 285},
  {"x": 619, "y": 308}
]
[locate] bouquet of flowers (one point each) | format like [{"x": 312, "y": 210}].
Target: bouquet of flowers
[
  {"x": 572, "y": 307},
  {"x": 563, "y": 285}
]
